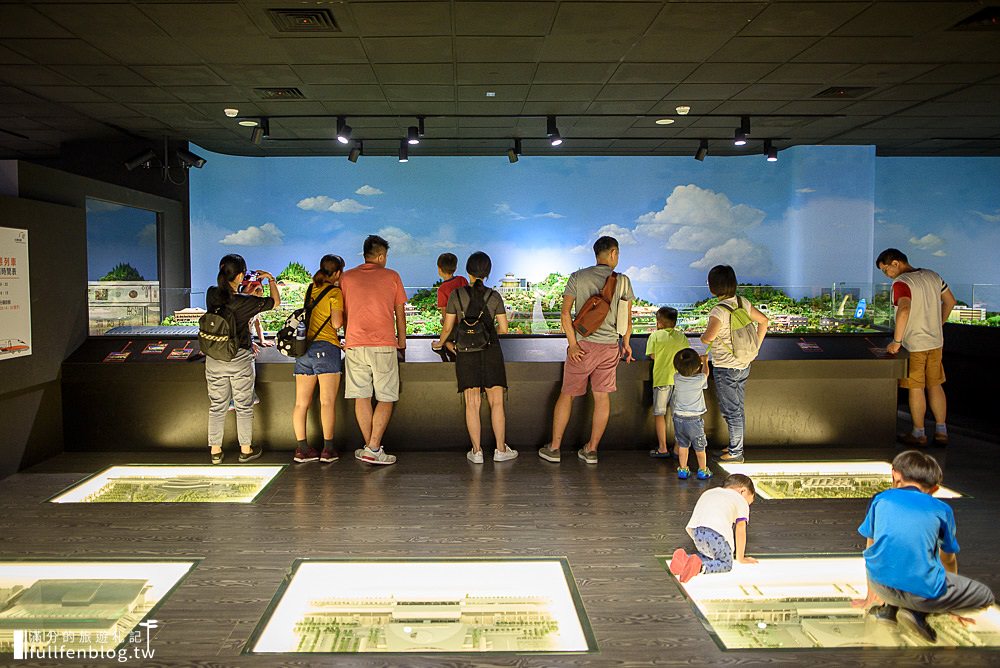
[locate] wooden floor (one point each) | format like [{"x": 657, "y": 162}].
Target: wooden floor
[{"x": 610, "y": 521}]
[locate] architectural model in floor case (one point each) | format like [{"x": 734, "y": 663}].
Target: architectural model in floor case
[
  {"x": 426, "y": 606},
  {"x": 821, "y": 480},
  {"x": 785, "y": 602},
  {"x": 172, "y": 484}
]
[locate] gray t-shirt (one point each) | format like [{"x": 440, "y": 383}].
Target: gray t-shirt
[
  {"x": 688, "y": 396},
  {"x": 588, "y": 282},
  {"x": 457, "y": 305}
]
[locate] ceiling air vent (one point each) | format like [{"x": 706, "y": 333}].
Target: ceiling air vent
[
  {"x": 279, "y": 93},
  {"x": 844, "y": 92},
  {"x": 303, "y": 20},
  {"x": 987, "y": 18}
]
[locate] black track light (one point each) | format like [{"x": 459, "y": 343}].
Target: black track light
[
  {"x": 552, "y": 131},
  {"x": 420, "y": 126},
  {"x": 189, "y": 159},
  {"x": 144, "y": 159},
  {"x": 743, "y": 132},
  {"x": 262, "y": 131},
  {"x": 356, "y": 151},
  {"x": 702, "y": 150},
  {"x": 412, "y": 136},
  {"x": 343, "y": 130},
  {"x": 404, "y": 151},
  {"x": 513, "y": 153},
  {"x": 770, "y": 151}
]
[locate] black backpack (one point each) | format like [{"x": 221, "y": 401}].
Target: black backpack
[
  {"x": 474, "y": 333},
  {"x": 217, "y": 334},
  {"x": 285, "y": 340}
]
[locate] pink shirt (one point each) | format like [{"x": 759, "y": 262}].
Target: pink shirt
[{"x": 371, "y": 294}]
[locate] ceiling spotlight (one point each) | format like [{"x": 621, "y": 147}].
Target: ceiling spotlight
[
  {"x": 420, "y": 126},
  {"x": 664, "y": 121},
  {"x": 702, "y": 150},
  {"x": 231, "y": 113},
  {"x": 356, "y": 151},
  {"x": 742, "y": 132},
  {"x": 411, "y": 135},
  {"x": 343, "y": 130},
  {"x": 256, "y": 135},
  {"x": 249, "y": 122},
  {"x": 144, "y": 159},
  {"x": 189, "y": 159},
  {"x": 404, "y": 151},
  {"x": 552, "y": 132},
  {"x": 513, "y": 153},
  {"x": 683, "y": 110},
  {"x": 770, "y": 151}
]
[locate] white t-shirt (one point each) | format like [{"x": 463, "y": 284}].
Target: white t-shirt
[
  {"x": 722, "y": 346},
  {"x": 719, "y": 509},
  {"x": 923, "y": 328}
]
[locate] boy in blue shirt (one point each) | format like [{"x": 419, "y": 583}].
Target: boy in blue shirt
[
  {"x": 690, "y": 383},
  {"x": 911, "y": 557},
  {"x": 661, "y": 347}
]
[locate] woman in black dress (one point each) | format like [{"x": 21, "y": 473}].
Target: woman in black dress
[{"x": 482, "y": 370}]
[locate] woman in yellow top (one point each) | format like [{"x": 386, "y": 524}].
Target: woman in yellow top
[{"x": 322, "y": 362}]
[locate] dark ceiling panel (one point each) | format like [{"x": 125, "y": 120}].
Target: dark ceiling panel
[
  {"x": 402, "y": 19},
  {"x": 415, "y": 73},
  {"x": 785, "y": 19},
  {"x": 18, "y": 20},
  {"x": 408, "y": 49},
  {"x": 336, "y": 73},
  {"x": 504, "y": 18}
]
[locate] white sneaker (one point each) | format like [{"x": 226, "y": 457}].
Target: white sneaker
[
  {"x": 380, "y": 456},
  {"x": 504, "y": 455},
  {"x": 359, "y": 454},
  {"x": 474, "y": 457}
]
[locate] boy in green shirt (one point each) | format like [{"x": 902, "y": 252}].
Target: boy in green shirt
[{"x": 661, "y": 347}]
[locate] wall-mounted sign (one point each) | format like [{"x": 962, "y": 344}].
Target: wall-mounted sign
[{"x": 15, "y": 294}]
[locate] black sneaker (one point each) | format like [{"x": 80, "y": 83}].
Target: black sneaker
[
  {"x": 255, "y": 452},
  {"x": 885, "y": 614},
  {"x": 917, "y": 622},
  {"x": 719, "y": 452}
]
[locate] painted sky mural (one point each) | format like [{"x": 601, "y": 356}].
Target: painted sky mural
[{"x": 806, "y": 221}]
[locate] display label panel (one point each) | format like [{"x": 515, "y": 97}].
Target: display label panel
[
  {"x": 822, "y": 480},
  {"x": 803, "y": 601},
  {"x": 83, "y": 609},
  {"x": 15, "y": 294},
  {"x": 172, "y": 484},
  {"x": 426, "y": 606}
]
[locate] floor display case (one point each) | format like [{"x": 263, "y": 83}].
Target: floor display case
[
  {"x": 822, "y": 480},
  {"x": 95, "y": 606},
  {"x": 448, "y": 605},
  {"x": 172, "y": 484},
  {"x": 801, "y": 601}
]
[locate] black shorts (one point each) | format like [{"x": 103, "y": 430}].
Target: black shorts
[{"x": 481, "y": 369}]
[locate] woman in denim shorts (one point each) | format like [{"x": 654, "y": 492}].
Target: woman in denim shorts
[{"x": 323, "y": 362}]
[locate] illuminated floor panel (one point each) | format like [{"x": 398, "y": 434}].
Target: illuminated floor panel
[
  {"x": 449, "y": 605},
  {"x": 172, "y": 484},
  {"x": 821, "y": 480},
  {"x": 49, "y": 608},
  {"x": 802, "y": 602}
]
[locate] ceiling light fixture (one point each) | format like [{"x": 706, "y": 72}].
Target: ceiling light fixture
[
  {"x": 742, "y": 132},
  {"x": 411, "y": 135},
  {"x": 231, "y": 112},
  {"x": 356, "y": 151},
  {"x": 770, "y": 151},
  {"x": 420, "y": 126},
  {"x": 248, "y": 122},
  {"x": 189, "y": 159},
  {"x": 343, "y": 130},
  {"x": 513, "y": 153},
  {"x": 404, "y": 151},
  {"x": 702, "y": 150},
  {"x": 256, "y": 135},
  {"x": 664, "y": 121},
  {"x": 683, "y": 110},
  {"x": 552, "y": 132},
  {"x": 144, "y": 159},
  {"x": 261, "y": 131}
]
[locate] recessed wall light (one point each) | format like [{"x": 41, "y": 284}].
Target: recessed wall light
[
  {"x": 683, "y": 110},
  {"x": 232, "y": 113},
  {"x": 664, "y": 121}
]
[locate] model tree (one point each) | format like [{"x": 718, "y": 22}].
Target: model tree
[{"x": 123, "y": 272}]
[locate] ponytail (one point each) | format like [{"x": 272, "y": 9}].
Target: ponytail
[
  {"x": 230, "y": 267},
  {"x": 478, "y": 266},
  {"x": 328, "y": 266}
]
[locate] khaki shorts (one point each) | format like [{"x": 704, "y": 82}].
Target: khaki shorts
[
  {"x": 369, "y": 368},
  {"x": 925, "y": 370}
]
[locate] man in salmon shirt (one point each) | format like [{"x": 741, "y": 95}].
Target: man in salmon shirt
[{"x": 374, "y": 303}]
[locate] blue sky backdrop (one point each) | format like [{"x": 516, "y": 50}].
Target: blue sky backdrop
[
  {"x": 807, "y": 220},
  {"x": 117, "y": 233}
]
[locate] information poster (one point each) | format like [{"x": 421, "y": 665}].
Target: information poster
[{"x": 15, "y": 294}]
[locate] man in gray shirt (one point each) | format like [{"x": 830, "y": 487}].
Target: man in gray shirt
[{"x": 593, "y": 357}]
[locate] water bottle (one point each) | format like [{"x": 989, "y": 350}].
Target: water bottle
[{"x": 300, "y": 332}]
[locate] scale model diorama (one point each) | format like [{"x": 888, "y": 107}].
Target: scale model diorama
[{"x": 172, "y": 484}]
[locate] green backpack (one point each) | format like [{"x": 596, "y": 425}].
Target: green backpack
[{"x": 743, "y": 331}]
